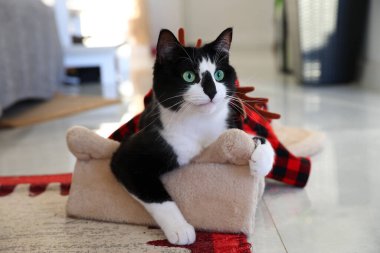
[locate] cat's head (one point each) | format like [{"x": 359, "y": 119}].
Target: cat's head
[{"x": 201, "y": 78}]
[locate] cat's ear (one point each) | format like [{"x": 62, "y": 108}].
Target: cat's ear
[
  {"x": 223, "y": 42},
  {"x": 166, "y": 45}
]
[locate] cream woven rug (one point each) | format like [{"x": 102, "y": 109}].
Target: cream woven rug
[{"x": 38, "y": 224}]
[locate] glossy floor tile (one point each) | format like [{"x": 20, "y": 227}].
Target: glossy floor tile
[
  {"x": 266, "y": 238},
  {"x": 41, "y": 149},
  {"x": 338, "y": 210}
]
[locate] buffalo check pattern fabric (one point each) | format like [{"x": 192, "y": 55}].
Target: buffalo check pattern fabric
[{"x": 287, "y": 168}]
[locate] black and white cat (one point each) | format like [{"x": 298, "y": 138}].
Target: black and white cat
[{"x": 192, "y": 89}]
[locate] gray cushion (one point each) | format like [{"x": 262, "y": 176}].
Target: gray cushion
[{"x": 30, "y": 51}]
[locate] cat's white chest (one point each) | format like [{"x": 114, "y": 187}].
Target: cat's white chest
[{"x": 189, "y": 133}]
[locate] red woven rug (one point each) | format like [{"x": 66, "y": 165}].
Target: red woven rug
[{"x": 33, "y": 219}]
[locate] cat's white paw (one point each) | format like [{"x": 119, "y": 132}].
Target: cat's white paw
[
  {"x": 171, "y": 221},
  {"x": 262, "y": 158},
  {"x": 181, "y": 234}
]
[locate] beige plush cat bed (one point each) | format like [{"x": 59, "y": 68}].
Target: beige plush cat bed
[{"x": 215, "y": 192}]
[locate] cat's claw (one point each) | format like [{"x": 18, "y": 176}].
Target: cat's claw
[
  {"x": 183, "y": 234},
  {"x": 262, "y": 158}
]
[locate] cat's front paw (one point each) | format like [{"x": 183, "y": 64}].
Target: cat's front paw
[
  {"x": 262, "y": 158},
  {"x": 180, "y": 234}
]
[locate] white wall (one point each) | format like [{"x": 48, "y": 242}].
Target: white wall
[
  {"x": 167, "y": 14},
  {"x": 371, "y": 71},
  {"x": 252, "y": 20}
]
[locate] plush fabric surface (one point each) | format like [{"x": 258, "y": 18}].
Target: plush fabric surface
[{"x": 215, "y": 192}]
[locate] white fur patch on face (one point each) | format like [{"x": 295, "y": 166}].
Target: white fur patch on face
[
  {"x": 207, "y": 65},
  {"x": 195, "y": 94}
]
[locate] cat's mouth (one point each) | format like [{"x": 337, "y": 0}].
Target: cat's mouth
[
  {"x": 207, "y": 107},
  {"x": 206, "y": 104}
]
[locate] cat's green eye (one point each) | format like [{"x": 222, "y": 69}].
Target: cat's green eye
[
  {"x": 219, "y": 75},
  {"x": 188, "y": 76}
]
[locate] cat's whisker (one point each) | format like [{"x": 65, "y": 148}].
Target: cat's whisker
[
  {"x": 181, "y": 95},
  {"x": 237, "y": 108},
  {"x": 245, "y": 100},
  {"x": 145, "y": 127},
  {"x": 158, "y": 115},
  {"x": 249, "y": 106},
  {"x": 258, "y": 101},
  {"x": 237, "y": 92},
  {"x": 241, "y": 110},
  {"x": 157, "y": 104},
  {"x": 179, "y": 113}
]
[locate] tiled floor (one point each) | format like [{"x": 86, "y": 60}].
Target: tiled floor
[{"x": 338, "y": 211}]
